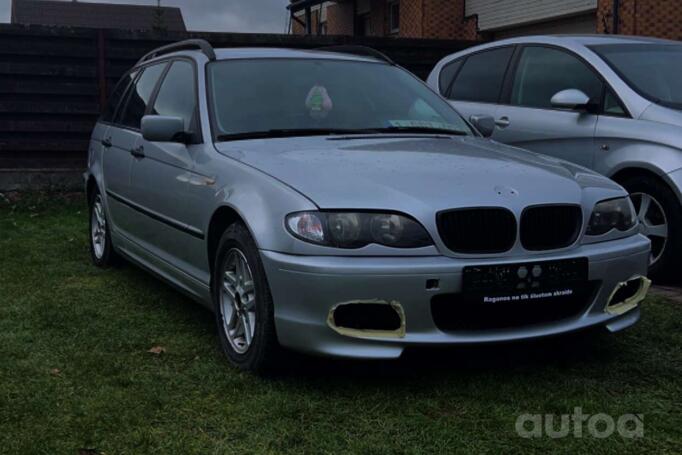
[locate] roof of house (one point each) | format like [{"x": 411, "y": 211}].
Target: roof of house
[{"x": 95, "y": 15}]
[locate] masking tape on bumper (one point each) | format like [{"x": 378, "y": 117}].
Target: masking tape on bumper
[
  {"x": 368, "y": 333},
  {"x": 631, "y": 302}
]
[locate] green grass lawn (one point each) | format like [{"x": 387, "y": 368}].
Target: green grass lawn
[{"x": 76, "y": 375}]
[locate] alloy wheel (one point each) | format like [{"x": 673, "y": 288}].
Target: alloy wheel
[
  {"x": 238, "y": 301},
  {"x": 98, "y": 228},
  {"x": 653, "y": 223}
]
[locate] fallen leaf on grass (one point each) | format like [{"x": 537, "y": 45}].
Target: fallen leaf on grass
[{"x": 158, "y": 350}]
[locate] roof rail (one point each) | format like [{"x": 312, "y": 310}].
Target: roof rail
[
  {"x": 200, "y": 44},
  {"x": 358, "y": 50}
]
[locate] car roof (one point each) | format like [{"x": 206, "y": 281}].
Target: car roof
[
  {"x": 586, "y": 40},
  {"x": 239, "y": 53}
]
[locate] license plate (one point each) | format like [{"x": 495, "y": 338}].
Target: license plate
[{"x": 529, "y": 281}]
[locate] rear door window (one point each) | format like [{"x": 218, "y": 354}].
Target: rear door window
[
  {"x": 447, "y": 76},
  {"x": 481, "y": 77},
  {"x": 140, "y": 95},
  {"x": 542, "y": 72},
  {"x": 116, "y": 96}
]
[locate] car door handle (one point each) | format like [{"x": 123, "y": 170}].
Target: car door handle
[
  {"x": 138, "y": 152},
  {"x": 503, "y": 122},
  {"x": 107, "y": 142}
]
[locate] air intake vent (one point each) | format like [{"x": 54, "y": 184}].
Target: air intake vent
[
  {"x": 550, "y": 227},
  {"x": 478, "y": 230}
]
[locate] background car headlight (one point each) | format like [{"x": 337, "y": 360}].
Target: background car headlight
[
  {"x": 357, "y": 229},
  {"x": 612, "y": 214}
]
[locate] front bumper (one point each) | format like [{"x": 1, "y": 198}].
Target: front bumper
[{"x": 306, "y": 288}]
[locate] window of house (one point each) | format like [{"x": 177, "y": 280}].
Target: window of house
[
  {"x": 543, "y": 72},
  {"x": 177, "y": 96},
  {"x": 480, "y": 78},
  {"x": 394, "y": 16},
  {"x": 139, "y": 96}
]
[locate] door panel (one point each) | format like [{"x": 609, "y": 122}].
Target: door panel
[
  {"x": 563, "y": 134},
  {"x": 117, "y": 161},
  {"x": 528, "y": 118},
  {"x": 468, "y": 109}
]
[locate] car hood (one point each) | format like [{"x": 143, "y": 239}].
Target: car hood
[{"x": 416, "y": 174}]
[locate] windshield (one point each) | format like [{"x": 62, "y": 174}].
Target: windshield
[
  {"x": 653, "y": 70},
  {"x": 310, "y": 96}
]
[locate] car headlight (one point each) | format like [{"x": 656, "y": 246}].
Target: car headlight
[
  {"x": 357, "y": 229},
  {"x": 612, "y": 214}
]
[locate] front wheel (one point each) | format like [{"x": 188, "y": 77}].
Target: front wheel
[
  {"x": 243, "y": 303},
  {"x": 660, "y": 218}
]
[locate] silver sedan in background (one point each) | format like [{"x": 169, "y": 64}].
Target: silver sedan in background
[
  {"x": 610, "y": 103},
  {"x": 334, "y": 204}
]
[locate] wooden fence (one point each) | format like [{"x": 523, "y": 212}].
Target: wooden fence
[{"x": 54, "y": 81}]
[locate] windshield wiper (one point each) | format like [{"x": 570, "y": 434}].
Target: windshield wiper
[
  {"x": 302, "y": 132},
  {"x": 293, "y": 132},
  {"x": 418, "y": 130}
]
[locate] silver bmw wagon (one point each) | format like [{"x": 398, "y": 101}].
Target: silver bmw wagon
[
  {"x": 610, "y": 103},
  {"x": 332, "y": 203}
]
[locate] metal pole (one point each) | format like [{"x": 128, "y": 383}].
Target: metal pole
[
  {"x": 308, "y": 21},
  {"x": 355, "y": 17}
]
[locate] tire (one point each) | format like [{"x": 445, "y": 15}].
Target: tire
[
  {"x": 665, "y": 260},
  {"x": 251, "y": 309},
  {"x": 102, "y": 250}
]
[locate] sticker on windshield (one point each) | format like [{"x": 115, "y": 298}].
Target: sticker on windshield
[
  {"x": 318, "y": 102},
  {"x": 423, "y": 124}
]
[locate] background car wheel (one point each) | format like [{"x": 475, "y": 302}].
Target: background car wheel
[
  {"x": 243, "y": 303},
  {"x": 101, "y": 248},
  {"x": 660, "y": 216}
]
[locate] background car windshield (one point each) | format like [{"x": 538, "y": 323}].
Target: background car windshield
[
  {"x": 301, "y": 94},
  {"x": 652, "y": 69}
]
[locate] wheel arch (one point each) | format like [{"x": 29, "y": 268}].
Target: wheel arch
[
  {"x": 629, "y": 171},
  {"x": 221, "y": 219},
  {"x": 90, "y": 187}
]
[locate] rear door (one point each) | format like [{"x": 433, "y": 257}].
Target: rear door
[
  {"x": 473, "y": 84},
  {"x": 116, "y": 159},
  {"x": 526, "y": 117}
]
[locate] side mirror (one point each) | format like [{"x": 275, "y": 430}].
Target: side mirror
[
  {"x": 485, "y": 124},
  {"x": 571, "y": 99},
  {"x": 158, "y": 128}
]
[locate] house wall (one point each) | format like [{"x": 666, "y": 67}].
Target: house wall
[
  {"x": 659, "y": 18},
  {"x": 497, "y": 14}
]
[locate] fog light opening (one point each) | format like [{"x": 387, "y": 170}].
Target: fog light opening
[
  {"x": 627, "y": 295},
  {"x": 368, "y": 318}
]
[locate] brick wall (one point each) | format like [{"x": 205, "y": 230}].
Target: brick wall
[
  {"x": 340, "y": 19},
  {"x": 445, "y": 19},
  {"x": 437, "y": 19},
  {"x": 299, "y": 29},
  {"x": 659, "y": 18}
]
